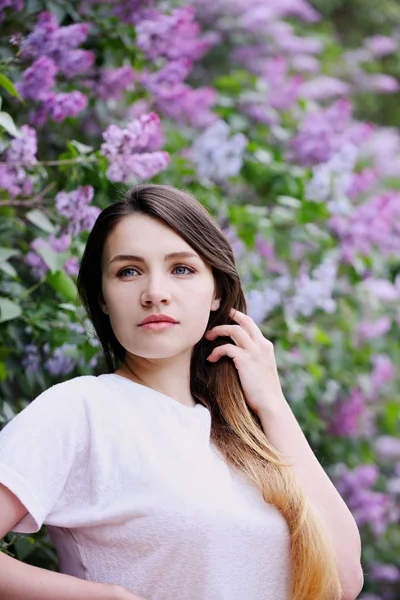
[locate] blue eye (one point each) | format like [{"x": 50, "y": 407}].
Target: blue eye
[
  {"x": 183, "y": 267},
  {"x": 122, "y": 272}
]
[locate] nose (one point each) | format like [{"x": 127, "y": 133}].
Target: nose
[{"x": 155, "y": 291}]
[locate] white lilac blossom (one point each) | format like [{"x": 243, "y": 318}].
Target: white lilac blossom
[
  {"x": 313, "y": 290},
  {"x": 332, "y": 180},
  {"x": 217, "y": 154}
]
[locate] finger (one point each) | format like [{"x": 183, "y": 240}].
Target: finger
[
  {"x": 247, "y": 323},
  {"x": 225, "y": 350},
  {"x": 238, "y": 335}
]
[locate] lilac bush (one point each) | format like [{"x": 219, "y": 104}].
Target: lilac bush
[{"x": 240, "y": 102}]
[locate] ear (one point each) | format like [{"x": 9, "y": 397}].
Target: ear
[
  {"x": 102, "y": 304},
  {"x": 216, "y": 303}
]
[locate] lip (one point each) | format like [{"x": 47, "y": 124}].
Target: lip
[{"x": 158, "y": 319}]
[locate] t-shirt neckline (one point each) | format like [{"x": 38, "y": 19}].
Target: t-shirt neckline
[{"x": 171, "y": 400}]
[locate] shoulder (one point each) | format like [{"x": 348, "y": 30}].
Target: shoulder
[{"x": 65, "y": 400}]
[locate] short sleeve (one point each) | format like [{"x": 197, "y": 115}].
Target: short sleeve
[{"x": 40, "y": 448}]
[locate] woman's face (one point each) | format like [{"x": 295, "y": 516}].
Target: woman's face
[{"x": 146, "y": 281}]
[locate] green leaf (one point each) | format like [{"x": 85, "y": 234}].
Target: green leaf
[
  {"x": 8, "y": 124},
  {"x": 38, "y": 218},
  {"x": 82, "y": 148},
  {"x": 62, "y": 283},
  {"x": 7, "y": 268},
  {"x": 54, "y": 260},
  {"x": 6, "y": 253},
  {"x": 9, "y": 310},
  {"x": 9, "y": 86}
]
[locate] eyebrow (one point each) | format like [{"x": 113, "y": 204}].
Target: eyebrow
[{"x": 171, "y": 256}]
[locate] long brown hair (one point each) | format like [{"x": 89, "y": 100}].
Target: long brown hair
[{"x": 236, "y": 429}]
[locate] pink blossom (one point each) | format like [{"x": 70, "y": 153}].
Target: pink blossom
[
  {"x": 367, "y": 330},
  {"x": 324, "y": 88},
  {"x": 383, "y": 372},
  {"x": 381, "y": 45}
]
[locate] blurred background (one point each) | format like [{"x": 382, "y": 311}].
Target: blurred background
[{"x": 281, "y": 117}]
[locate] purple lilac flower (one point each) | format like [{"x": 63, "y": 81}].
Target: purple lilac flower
[
  {"x": 31, "y": 358},
  {"x": 381, "y": 45},
  {"x": 167, "y": 83},
  {"x": 345, "y": 421},
  {"x": 367, "y": 330},
  {"x": 383, "y": 371},
  {"x": 373, "y": 224},
  {"x": 14, "y": 178},
  {"x": 320, "y": 134},
  {"x": 60, "y": 362},
  {"x": 126, "y": 150},
  {"x": 362, "y": 182},
  {"x": 172, "y": 36},
  {"x": 38, "y": 79},
  {"x": 38, "y": 266},
  {"x": 61, "y": 106},
  {"x": 16, "y": 5},
  {"x": 177, "y": 100},
  {"x": 324, "y": 88},
  {"x": 282, "y": 90},
  {"x": 113, "y": 82},
  {"x": 74, "y": 206},
  {"x": 369, "y": 507},
  {"x": 387, "y": 447},
  {"x": 384, "y": 572},
  {"x": 59, "y": 43},
  {"x": 72, "y": 266}
]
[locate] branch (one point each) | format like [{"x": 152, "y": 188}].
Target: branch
[
  {"x": 51, "y": 163},
  {"x": 30, "y": 202}
]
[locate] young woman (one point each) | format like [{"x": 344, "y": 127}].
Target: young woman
[{"x": 182, "y": 474}]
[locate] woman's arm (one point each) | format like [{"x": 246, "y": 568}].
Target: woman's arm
[
  {"x": 19, "y": 581},
  {"x": 284, "y": 433}
]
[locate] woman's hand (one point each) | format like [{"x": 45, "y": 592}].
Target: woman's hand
[
  {"x": 120, "y": 593},
  {"x": 253, "y": 357}
]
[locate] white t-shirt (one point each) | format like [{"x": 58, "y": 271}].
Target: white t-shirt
[{"x": 133, "y": 493}]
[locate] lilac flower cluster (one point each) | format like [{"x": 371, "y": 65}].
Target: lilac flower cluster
[
  {"x": 172, "y": 36},
  {"x": 131, "y": 12},
  {"x": 130, "y": 150},
  {"x": 351, "y": 416},
  {"x": 369, "y": 507},
  {"x": 313, "y": 290},
  {"x": 322, "y": 133},
  {"x": 15, "y": 5},
  {"x": 59, "y": 44},
  {"x": 31, "y": 358},
  {"x": 54, "y": 50},
  {"x": 22, "y": 151},
  {"x": 74, "y": 206},
  {"x": 113, "y": 82},
  {"x": 375, "y": 224},
  {"x": 38, "y": 266},
  {"x": 177, "y": 100},
  {"x": 61, "y": 361}
]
